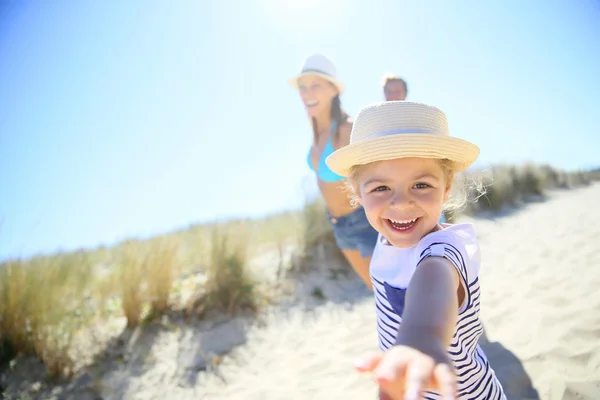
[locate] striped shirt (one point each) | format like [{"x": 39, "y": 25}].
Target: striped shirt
[{"x": 391, "y": 270}]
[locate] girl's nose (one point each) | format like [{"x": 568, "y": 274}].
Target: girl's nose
[{"x": 401, "y": 200}]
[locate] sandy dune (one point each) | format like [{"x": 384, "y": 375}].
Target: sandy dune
[
  {"x": 540, "y": 307},
  {"x": 541, "y": 310}
]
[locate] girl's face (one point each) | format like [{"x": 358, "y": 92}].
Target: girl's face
[
  {"x": 403, "y": 198},
  {"x": 316, "y": 94}
]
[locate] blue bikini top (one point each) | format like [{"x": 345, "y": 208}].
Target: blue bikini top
[{"x": 323, "y": 171}]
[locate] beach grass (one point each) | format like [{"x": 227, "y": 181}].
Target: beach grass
[{"x": 45, "y": 301}]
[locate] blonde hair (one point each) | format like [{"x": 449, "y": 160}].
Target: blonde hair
[{"x": 463, "y": 185}]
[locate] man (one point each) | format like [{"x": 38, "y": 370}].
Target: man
[{"x": 394, "y": 88}]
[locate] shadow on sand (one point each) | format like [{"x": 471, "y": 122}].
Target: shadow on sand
[
  {"x": 509, "y": 370},
  {"x": 335, "y": 282},
  {"x": 196, "y": 344}
]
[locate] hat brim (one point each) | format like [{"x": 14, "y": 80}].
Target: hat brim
[
  {"x": 462, "y": 152},
  {"x": 294, "y": 81}
]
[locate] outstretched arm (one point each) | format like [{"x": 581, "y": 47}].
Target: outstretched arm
[
  {"x": 432, "y": 299},
  {"x": 420, "y": 360}
]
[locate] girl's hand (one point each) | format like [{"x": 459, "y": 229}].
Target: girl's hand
[{"x": 404, "y": 372}]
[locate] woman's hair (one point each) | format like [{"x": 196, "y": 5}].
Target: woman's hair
[
  {"x": 337, "y": 114},
  {"x": 465, "y": 186}
]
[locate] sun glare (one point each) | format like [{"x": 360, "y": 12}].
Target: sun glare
[
  {"x": 300, "y": 5},
  {"x": 304, "y": 18}
]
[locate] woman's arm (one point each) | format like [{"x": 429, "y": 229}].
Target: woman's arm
[{"x": 344, "y": 138}]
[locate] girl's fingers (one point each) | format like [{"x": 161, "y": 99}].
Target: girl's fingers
[
  {"x": 446, "y": 381},
  {"x": 418, "y": 374},
  {"x": 398, "y": 373},
  {"x": 384, "y": 396},
  {"x": 391, "y": 368},
  {"x": 369, "y": 362}
]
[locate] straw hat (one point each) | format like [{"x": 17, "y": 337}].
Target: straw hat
[
  {"x": 398, "y": 129},
  {"x": 319, "y": 65}
]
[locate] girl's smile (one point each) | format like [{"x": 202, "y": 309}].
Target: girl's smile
[
  {"x": 404, "y": 226},
  {"x": 403, "y": 198}
]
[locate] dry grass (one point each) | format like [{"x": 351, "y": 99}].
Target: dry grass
[
  {"x": 315, "y": 227},
  {"x": 196, "y": 240},
  {"x": 594, "y": 175},
  {"x": 229, "y": 288},
  {"x": 129, "y": 277},
  {"x": 316, "y": 234},
  {"x": 43, "y": 304},
  {"x": 46, "y": 301},
  {"x": 501, "y": 190},
  {"x": 510, "y": 186},
  {"x": 145, "y": 276},
  {"x": 160, "y": 271}
]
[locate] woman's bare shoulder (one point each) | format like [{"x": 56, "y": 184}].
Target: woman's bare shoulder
[{"x": 345, "y": 130}]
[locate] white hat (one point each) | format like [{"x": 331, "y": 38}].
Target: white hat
[
  {"x": 398, "y": 129},
  {"x": 319, "y": 65}
]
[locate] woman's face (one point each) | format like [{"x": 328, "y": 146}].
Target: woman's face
[{"x": 316, "y": 94}]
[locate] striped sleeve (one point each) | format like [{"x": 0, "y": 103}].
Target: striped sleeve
[{"x": 463, "y": 255}]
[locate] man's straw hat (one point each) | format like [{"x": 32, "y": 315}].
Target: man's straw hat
[
  {"x": 399, "y": 129},
  {"x": 319, "y": 65}
]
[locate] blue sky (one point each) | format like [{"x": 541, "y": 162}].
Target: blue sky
[{"x": 129, "y": 118}]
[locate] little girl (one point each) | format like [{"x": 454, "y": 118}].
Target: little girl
[{"x": 400, "y": 164}]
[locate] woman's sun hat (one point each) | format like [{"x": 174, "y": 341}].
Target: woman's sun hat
[
  {"x": 319, "y": 65},
  {"x": 399, "y": 129}
]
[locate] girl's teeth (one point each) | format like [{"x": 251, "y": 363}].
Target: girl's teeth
[
  {"x": 403, "y": 221},
  {"x": 403, "y": 224}
]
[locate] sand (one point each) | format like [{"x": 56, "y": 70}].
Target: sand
[
  {"x": 540, "y": 307},
  {"x": 540, "y": 282}
]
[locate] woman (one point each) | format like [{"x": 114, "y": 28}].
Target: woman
[{"x": 320, "y": 93}]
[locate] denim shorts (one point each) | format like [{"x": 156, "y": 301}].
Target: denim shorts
[{"x": 353, "y": 232}]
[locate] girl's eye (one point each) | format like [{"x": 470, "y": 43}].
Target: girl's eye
[
  {"x": 380, "y": 188},
  {"x": 421, "y": 186}
]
